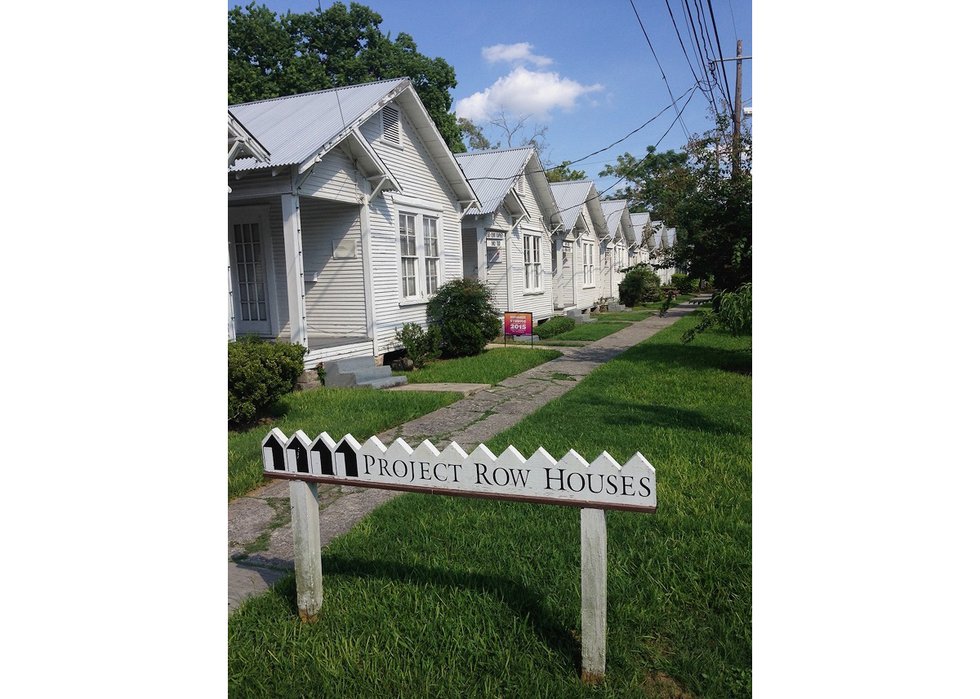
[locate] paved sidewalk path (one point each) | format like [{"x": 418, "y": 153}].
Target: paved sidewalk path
[{"x": 260, "y": 545}]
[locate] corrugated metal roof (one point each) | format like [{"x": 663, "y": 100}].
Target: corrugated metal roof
[
  {"x": 613, "y": 210},
  {"x": 492, "y": 173},
  {"x": 294, "y": 128},
  {"x": 570, "y": 196},
  {"x": 639, "y": 221}
]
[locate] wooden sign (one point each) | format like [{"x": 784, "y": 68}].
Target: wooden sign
[
  {"x": 571, "y": 480},
  {"x": 597, "y": 486},
  {"x": 518, "y": 323}
]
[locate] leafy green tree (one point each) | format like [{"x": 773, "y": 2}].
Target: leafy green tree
[
  {"x": 697, "y": 191},
  {"x": 475, "y": 138},
  {"x": 271, "y": 55},
  {"x": 563, "y": 173}
]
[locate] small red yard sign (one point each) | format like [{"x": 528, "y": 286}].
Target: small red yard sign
[{"x": 518, "y": 323}]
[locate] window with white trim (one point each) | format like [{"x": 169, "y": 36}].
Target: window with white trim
[
  {"x": 390, "y": 128},
  {"x": 410, "y": 260},
  {"x": 418, "y": 236},
  {"x": 588, "y": 264},
  {"x": 532, "y": 262},
  {"x": 431, "y": 236}
]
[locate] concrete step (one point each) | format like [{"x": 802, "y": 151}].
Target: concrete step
[
  {"x": 349, "y": 365},
  {"x": 387, "y": 382},
  {"x": 375, "y": 372}
]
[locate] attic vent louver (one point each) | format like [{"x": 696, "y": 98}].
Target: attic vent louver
[{"x": 389, "y": 120}]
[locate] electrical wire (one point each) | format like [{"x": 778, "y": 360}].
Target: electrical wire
[
  {"x": 721, "y": 56},
  {"x": 707, "y": 92},
  {"x": 601, "y": 150},
  {"x": 650, "y": 44}
]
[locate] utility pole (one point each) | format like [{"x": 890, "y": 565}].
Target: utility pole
[{"x": 737, "y": 136}]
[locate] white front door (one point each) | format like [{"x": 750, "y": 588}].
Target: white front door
[{"x": 248, "y": 242}]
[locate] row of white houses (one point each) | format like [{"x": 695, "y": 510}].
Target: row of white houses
[{"x": 347, "y": 210}]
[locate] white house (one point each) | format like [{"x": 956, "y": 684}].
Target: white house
[
  {"x": 507, "y": 238},
  {"x": 638, "y": 251},
  {"x": 615, "y": 245},
  {"x": 662, "y": 239},
  {"x": 576, "y": 266},
  {"x": 343, "y": 218}
]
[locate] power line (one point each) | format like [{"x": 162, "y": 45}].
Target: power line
[
  {"x": 650, "y": 44},
  {"x": 732, "y": 10},
  {"x": 702, "y": 45},
  {"x": 599, "y": 194},
  {"x": 601, "y": 150},
  {"x": 711, "y": 9},
  {"x": 709, "y": 93}
]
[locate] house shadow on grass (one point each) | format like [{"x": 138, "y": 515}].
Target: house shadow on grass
[
  {"x": 524, "y": 603},
  {"x": 618, "y": 414},
  {"x": 694, "y": 357}
]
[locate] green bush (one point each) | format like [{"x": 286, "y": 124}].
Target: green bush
[
  {"x": 640, "y": 285},
  {"x": 259, "y": 374},
  {"x": 554, "y": 326},
  {"x": 463, "y": 311},
  {"x": 732, "y": 310},
  {"x": 735, "y": 310},
  {"x": 420, "y": 345},
  {"x": 682, "y": 282}
]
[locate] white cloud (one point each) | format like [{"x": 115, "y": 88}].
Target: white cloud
[
  {"x": 524, "y": 91},
  {"x": 514, "y": 53}
]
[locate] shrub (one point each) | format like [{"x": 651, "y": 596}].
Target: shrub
[
  {"x": 639, "y": 285},
  {"x": 684, "y": 283},
  {"x": 420, "y": 345},
  {"x": 259, "y": 374},
  {"x": 735, "y": 310},
  {"x": 732, "y": 310},
  {"x": 464, "y": 313},
  {"x": 554, "y": 326}
]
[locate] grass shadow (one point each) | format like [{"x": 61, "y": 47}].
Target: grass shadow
[
  {"x": 692, "y": 356},
  {"x": 619, "y": 414},
  {"x": 524, "y": 603}
]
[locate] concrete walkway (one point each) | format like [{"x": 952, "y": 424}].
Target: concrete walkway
[{"x": 260, "y": 545}]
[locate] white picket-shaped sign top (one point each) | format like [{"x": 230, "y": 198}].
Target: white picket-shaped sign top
[{"x": 571, "y": 480}]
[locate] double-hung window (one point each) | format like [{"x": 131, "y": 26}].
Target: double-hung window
[
  {"x": 532, "y": 262},
  {"x": 431, "y": 233},
  {"x": 588, "y": 264},
  {"x": 418, "y": 236}
]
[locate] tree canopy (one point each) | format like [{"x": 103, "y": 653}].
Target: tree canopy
[
  {"x": 272, "y": 55},
  {"x": 563, "y": 173},
  {"x": 699, "y": 192}
]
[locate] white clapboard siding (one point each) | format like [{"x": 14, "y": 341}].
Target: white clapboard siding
[
  {"x": 587, "y": 294},
  {"x": 420, "y": 179},
  {"x": 252, "y": 185},
  {"x": 279, "y": 269},
  {"x": 334, "y": 177},
  {"x": 471, "y": 261},
  {"x": 335, "y": 305},
  {"x": 540, "y": 303}
]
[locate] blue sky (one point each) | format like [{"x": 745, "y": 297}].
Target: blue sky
[{"x": 583, "y": 69}]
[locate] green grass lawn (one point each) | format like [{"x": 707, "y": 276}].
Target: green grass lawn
[
  {"x": 448, "y": 597},
  {"x": 360, "y": 411},
  {"x": 629, "y": 316},
  {"x": 589, "y": 331},
  {"x": 491, "y": 366}
]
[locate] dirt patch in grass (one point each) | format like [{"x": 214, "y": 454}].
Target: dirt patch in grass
[{"x": 660, "y": 685}]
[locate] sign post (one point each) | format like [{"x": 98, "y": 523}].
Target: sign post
[
  {"x": 571, "y": 481},
  {"x": 518, "y": 324}
]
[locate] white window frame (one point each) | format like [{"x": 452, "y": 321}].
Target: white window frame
[
  {"x": 588, "y": 264},
  {"x": 532, "y": 261},
  {"x": 418, "y": 263}
]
